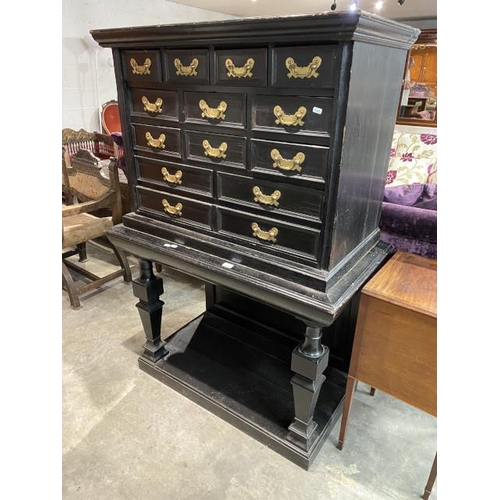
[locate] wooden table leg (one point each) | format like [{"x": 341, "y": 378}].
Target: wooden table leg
[
  {"x": 431, "y": 480},
  {"x": 349, "y": 393}
]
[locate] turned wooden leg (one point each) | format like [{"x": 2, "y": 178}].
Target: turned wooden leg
[
  {"x": 431, "y": 480},
  {"x": 148, "y": 289},
  {"x": 349, "y": 393},
  {"x": 309, "y": 361}
]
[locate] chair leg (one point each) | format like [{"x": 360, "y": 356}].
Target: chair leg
[
  {"x": 431, "y": 480},
  {"x": 82, "y": 252},
  {"x": 122, "y": 259},
  {"x": 372, "y": 391},
  {"x": 349, "y": 392},
  {"x": 69, "y": 286}
]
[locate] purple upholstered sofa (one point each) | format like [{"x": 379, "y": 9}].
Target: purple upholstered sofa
[{"x": 409, "y": 209}]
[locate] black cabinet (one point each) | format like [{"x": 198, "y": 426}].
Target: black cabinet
[{"x": 257, "y": 152}]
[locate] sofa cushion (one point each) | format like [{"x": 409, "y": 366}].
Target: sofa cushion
[
  {"x": 409, "y": 170},
  {"x": 417, "y": 146},
  {"x": 416, "y": 195}
]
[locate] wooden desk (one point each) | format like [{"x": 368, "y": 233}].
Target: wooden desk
[{"x": 395, "y": 342}]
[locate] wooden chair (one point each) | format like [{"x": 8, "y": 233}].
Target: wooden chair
[{"x": 94, "y": 205}]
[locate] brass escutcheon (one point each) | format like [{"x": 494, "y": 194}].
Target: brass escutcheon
[
  {"x": 186, "y": 70},
  {"x": 215, "y": 152},
  {"x": 152, "y": 107},
  {"x": 172, "y": 178},
  {"x": 287, "y": 164},
  {"x": 173, "y": 210},
  {"x": 265, "y": 199},
  {"x": 264, "y": 235},
  {"x": 289, "y": 120},
  {"x": 213, "y": 113},
  {"x": 308, "y": 71},
  {"x": 244, "y": 71},
  {"x": 156, "y": 143},
  {"x": 141, "y": 70}
]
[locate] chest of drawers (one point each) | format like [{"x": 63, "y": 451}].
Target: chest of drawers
[{"x": 256, "y": 152}]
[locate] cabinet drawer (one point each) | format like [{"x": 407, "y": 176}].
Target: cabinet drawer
[
  {"x": 174, "y": 208},
  {"x": 189, "y": 67},
  {"x": 275, "y": 198},
  {"x": 142, "y": 65},
  {"x": 292, "y": 115},
  {"x": 305, "y": 67},
  {"x": 159, "y": 104},
  {"x": 162, "y": 140},
  {"x": 241, "y": 67},
  {"x": 215, "y": 109},
  {"x": 216, "y": 149},
  {"x": 175, "y": 176},
  {"x": 289, "y": 160},
  {"x": 269, "y": 234}
]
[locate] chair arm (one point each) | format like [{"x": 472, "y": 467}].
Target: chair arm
[{"x": 105, "y": 201}]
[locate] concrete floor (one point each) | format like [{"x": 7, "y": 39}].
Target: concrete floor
[{"x": 127, "y": 436}]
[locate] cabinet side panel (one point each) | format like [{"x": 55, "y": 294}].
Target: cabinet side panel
[{"x": 375, "y": 83}]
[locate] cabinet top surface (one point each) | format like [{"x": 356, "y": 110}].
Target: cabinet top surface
[
  {"x": 325, "y": 26},
  {"x": 407, "y": 280}
]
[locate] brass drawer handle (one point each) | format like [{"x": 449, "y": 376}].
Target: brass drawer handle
[
  {"x": 186, "y": 70},
  {"x": 308, "y": 71},
  {"x": 287, "y": 164},
  {"x": 214, "y": 152},
  {"x": 152, "y": 107},
  {"x": 264, "y": 235},
  {"x": 289, "y": 120},
  {"x": 213, "y": 113},
  {"x": 177, "y": 210},
  {"x": 141, "y": 69},
  {"x": 172, "y": 178},
  {"x": 156, "y": 143},
  {"x": 265, "y": 199},
  {"x": 244, "y": 71}
]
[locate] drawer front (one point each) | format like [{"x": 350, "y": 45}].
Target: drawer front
[
  {"x": 292, "y": 115},
  {"x": 142, "y": 65},
  {"x": 215, "y": 109},
  {"x": 216, "y": 149},
  {"x": 182, "y": 178},
  {"x": 190, "y": 67},
  {"x": 241, "y": 67},
  {"x": 289, "y": 160},
  {"x": 269, "y": 234},
  {"x": 174, "y": 208},
  {"x": 162, "y": 140},
  {"x": 305, "y": 67},
  {"x": 275, "y": 198},
  {"x": 159, "y": 104}
]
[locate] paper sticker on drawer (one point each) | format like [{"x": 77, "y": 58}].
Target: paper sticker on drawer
[{"x": 317, "y": 110}]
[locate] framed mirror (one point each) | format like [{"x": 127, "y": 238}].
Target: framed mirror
[{"x": 418, "y": 105}]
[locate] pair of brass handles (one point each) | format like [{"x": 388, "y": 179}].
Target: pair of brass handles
[{"x": 245, "y": 71}]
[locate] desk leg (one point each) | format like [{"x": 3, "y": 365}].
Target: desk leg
[
  {"x": 349, "y": 392},
  {"x": 431, "y": 480},
  {"x": 148, "y": 289},
  {"x": 309, "y": 361}
]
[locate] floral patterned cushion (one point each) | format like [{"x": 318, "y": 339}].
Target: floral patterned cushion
[
  {"x": 409, "y": 171},
  {"x": 417, "y": 146}
]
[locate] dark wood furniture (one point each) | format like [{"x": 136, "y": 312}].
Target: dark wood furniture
[
  {"x": 257, "y": 151},
  {"x": 395, "y": 344},
  {"x": 93, "y": 206}
]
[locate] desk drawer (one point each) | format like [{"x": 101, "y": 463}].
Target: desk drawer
[
  {"x": 174, "y": 208},
  {"x": 215, "y": 109},
  {"x": 268, "y": 234},
  {"x": 182, "y": 178},
  {"x": 275, "y": 198},
  {"x": 225, "y": 150},
  {"x": 292, "y": 115},
  {"x": 162, "y": 140},
  {"x": 305, "y": 67},
  {"x": 241, "y": 67},
  {"x": 160, "y": 104},
  {"x": 142, "y": 65},
  {"x": 286, "y": 159},
  {"x": 189, "y": 67}
]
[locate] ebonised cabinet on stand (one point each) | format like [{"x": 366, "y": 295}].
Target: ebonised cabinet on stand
[{"x": 257, "y": 151}]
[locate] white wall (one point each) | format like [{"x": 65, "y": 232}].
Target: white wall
[{"x": 88, "y": 79}]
